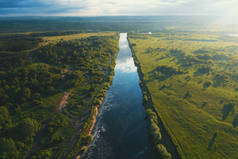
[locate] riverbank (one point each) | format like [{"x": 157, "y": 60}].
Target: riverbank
[
  {"x": 160, "y": 139},
  {"x": 85, "y": 136},
  {"x": 121, "y": 129},
  {"x": 63, "y": 102}
]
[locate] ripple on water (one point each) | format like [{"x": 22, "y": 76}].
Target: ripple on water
[{"x": 120, "y": 131}]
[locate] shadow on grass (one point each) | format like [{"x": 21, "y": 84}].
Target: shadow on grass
[
  {"x": 162, "y": 73},
  {"x": 226, "y": 110},
  {"x": 187, "y": 95},
  {"x": 235, "y": 121},
  {"x": 212, "y": 141},
  {"x": 204, "y": 104}
]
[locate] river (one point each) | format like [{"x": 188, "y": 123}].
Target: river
[{"x": 120, "y": 131}]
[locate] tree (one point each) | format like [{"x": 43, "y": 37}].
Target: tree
[
  {"x": 27, "y": 128},
  {"x": 5, "y": 119},
  {"x": 44, "y": 154},
  {"x": 27, "y": 93},
  {"x": 8, "y": 149},
  {"x": 162, "y": 152}
]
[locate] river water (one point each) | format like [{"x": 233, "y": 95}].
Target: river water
[{"x": 120, "y": 131}]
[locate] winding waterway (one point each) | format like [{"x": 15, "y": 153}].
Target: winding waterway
[{"x": 120, "y": 131}]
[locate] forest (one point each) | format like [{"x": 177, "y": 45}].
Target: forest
[
  {"x": 36, "y": 75},
  {"x": 141, "y": 24}
]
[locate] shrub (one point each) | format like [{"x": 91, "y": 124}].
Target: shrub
[
  {"x": 5, "y": 119},
  {"x": 151, "y": 115},
  {"x": 85, "y": 140},
  {"x": 27, "y": 128},
  {"x": 83, "y": 149},
  {"x": 46, "y": 154},
  {"x": 162, "y": 152},
  {"x": 8, "y": 149},
  {"x": 154, "y": 129},
  {"x": 156, "y": 137}
]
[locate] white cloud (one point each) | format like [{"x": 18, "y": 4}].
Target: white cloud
[
  {"x": 148, "y": 7},
  {"x": 136, "y": 7},
  {"x": 121, "y": 7}
]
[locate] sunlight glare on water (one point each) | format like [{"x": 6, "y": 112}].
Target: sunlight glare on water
[{"x": 125, "y": 63}]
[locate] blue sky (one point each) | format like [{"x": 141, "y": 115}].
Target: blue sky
[{"x": 117, "y": 7}]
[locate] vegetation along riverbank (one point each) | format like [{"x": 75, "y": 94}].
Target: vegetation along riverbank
[
  {"x": 161, "y": 142},
  {"x": 51, "y": 87}
]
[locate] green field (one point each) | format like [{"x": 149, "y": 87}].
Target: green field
[{"x": 193, "y": 81}]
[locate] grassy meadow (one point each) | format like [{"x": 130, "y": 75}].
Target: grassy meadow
[{"x": 193, "y": 82}]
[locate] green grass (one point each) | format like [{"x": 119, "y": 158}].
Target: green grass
[{"x": 191, "y": 112}]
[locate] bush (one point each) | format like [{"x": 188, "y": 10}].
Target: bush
[
  {"x": 8, "y": 149},
  {"x": 151, "y": 115},
  {"x": 162, "y": 152},
  {"x": 5, "y": 119},
  {"x": 154, "y": 129},
  {"x": 83, "y": 149},
  {"x": 86, "y": 140},
  {"x": 44, "y": 154},
  {"x": 156, "y": 137},
  {"x": 27, "y": 128}
]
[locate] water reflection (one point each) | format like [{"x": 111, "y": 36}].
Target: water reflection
[
  {"x": 124, "y": 63},
  {"x": 120, "y": 131}
]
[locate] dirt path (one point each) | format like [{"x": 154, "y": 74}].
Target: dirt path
[
  {"x": 63, "y": 102},
  {"x": 81, "y": 119},
  {"x": 94, "y": 121}
]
